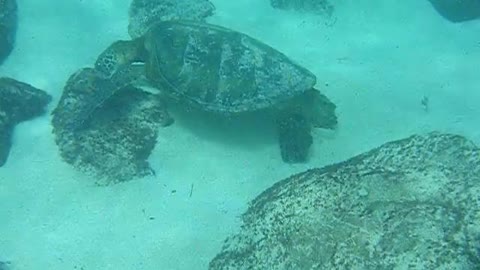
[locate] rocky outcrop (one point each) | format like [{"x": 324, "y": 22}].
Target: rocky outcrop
[
  {"x": 409, "y": 204},
  {"x": 19, "y": 102},
  {"x": 144, "y": 13},
  {"x": 8, "y": 27},
  {"x": 457, "y": 10},
  {"x": 321, "y": 7},
  {"x": 115, "y": 141}
]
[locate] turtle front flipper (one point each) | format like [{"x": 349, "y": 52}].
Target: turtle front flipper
[
  {"x": 106, "y": 127},
  {"x": 87, "y": 90},
  {"x": 120, "y": 53}
]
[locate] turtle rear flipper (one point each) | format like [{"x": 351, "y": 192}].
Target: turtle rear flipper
[
  {"x": 119, "y": 54},
  {"x": 8, "y": 27},
  {"x": 314, "y": 106},
  {"x": 319, "y": 109},
  {"x": 296, "y": 119},
  {"x": 294, "y": 137}
]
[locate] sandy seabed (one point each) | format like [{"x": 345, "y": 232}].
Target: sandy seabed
[{"x": 376, "y": 60}]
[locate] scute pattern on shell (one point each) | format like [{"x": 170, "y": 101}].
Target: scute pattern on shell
[
  {"x": 413, "y": 203},
  {"x": 144, "y": 13},
  {"x": 221, "y": 70}
]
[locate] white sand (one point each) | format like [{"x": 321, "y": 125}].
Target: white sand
[{"x": 379, "y": 59}]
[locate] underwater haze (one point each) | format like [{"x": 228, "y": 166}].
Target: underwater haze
[{"x": 385, "y": 70}]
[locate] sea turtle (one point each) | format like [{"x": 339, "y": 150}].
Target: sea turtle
[
  {"x": 117, "y": 142},
  {"x": 19, "y": 102},
  {"x": 226, "y": 72},
  {"x": 408, "y": 204},
  {"x": 8, "y": 27}
]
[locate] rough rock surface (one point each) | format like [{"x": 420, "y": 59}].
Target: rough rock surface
[
  {"x": 114, "y": 143},
  {"x": 145, "y": 12},
  {"x": 8, "y": 27},
  {"x": 19, "y": 102},
  {"x": 457, "y": 10},
  {"x": 4, "y": 265},
  {"x": 409, "y": 204},
  {"x": 320, "y": 7}
]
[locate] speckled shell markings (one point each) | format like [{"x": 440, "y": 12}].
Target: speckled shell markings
[{"x": 219, "y": 69}]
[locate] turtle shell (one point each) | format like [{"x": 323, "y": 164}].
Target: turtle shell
[{"x": 219, "y": 69}]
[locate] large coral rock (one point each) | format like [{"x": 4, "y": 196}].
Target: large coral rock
[
  {"x": 144, "y": 13},
  {"x": 115, "y": 141},
  {"x": 457, "y": 10},
  {"x": 409, "y": 204},
  {"x": 8, "y": 27},
  {"x": 321, "y": 7},
  {"x": 4, "y": 265},
  {"x": 19, "y": 102}
]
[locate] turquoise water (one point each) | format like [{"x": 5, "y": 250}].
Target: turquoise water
[{"x": 392, "y": 68}]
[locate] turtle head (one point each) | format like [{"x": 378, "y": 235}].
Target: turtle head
[{"x": 121, "y": 53}]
